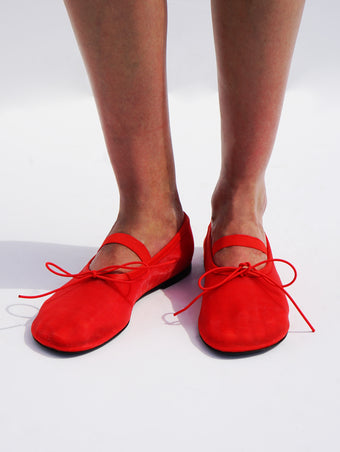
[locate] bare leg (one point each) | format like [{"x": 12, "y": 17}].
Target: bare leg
[
  {"x": 123, "y": 44},
  {"x": 254, "y": 42}
]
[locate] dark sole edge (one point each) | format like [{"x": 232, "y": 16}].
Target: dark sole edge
[
  {"x": 169, "y": 282},
  {"x": 163, "y": 285},
  {"x": 244, "y": 354},
  {"x": 70, "y": 354}
]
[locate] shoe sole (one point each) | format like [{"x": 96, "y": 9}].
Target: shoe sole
[
  {"x": 163, "y": 285},
  {"x": 242, "y": 354},
  {"x": 169, "y": 282}
]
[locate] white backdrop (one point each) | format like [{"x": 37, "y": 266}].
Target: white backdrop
[{"x": 157, "y": 387}]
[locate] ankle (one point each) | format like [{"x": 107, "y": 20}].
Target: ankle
[
  {"x": 153, "y": 226},
  {"x": 238, "y": 209},
  {"x": 158, "y": 212}
]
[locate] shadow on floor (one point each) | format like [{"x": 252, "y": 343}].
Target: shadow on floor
[
  {"x": 23, "y": 263},
  {"x": 22, "y": 267}
]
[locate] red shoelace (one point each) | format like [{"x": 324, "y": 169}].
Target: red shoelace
[
  {"x": 105, "y": 274},
  {"x": 246, "y": 269}
]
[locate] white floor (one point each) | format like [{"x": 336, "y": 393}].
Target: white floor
[{"x": 156, "y": 386}]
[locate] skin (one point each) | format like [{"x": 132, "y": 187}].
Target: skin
[
  {"x": 123, "y": 44},
  {"x": 254, "y": 41}
]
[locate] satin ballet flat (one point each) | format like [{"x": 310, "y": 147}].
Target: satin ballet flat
[
  {"x": 245, "y": 308},
  {"x": 96, "y": 305}
]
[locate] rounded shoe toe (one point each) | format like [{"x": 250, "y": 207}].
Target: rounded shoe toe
[
  {"x": 82, "y": 318},
  {"x": 244, "y": 318}
]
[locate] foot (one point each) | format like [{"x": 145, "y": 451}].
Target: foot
[
  {"x": 91, "y": 308},
  {"x": 154, "y": 233},
  {"x": 238, "y": 213},
  {"x": 234, "y": 255}
]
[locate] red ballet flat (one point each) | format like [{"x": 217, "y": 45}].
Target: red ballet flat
[
  {"x": 244, "y": 309},
  {"x": 95, "y": 305}
]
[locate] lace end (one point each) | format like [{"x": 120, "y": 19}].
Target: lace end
[
  {"x": 27, "y": 297},
  {"x": 188, "y": 305}
]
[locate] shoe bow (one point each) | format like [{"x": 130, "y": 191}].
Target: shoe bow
[
  {"x": 246, "y": 269},
  {"x": 106, "y": 274}
]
